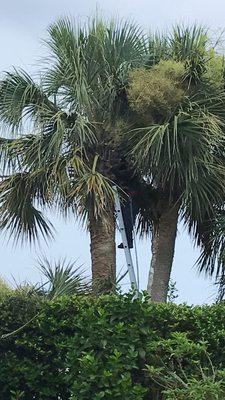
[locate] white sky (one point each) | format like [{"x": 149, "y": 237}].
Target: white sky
[{"x": 23, "y": 24}]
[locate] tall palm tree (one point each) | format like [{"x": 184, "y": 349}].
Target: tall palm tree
[
  {"x": 65, "y": 133},
  {"x": 178, "y": 142},
  {"x": 109, "y": 92}
]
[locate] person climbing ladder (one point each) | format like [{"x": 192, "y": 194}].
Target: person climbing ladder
[
  {"x": 129, "y": 210},
  {"x": 125, "y": 179}
]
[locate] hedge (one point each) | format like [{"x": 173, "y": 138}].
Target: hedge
[{"x": 110, "y": 348}]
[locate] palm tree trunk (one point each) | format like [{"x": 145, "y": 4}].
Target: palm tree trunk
[
  {"x": 163, "y": 245},
  {"x": 103, "y": 252}
]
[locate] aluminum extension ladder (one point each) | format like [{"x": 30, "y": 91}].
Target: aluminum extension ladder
[{"x": 129, "y": 261}]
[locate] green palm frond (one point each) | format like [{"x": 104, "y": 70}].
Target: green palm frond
[
  {"x": 19, "y": 216},
  {"x": 21, "y": 98},
  {"x": 63, "y": 278},
  {"x": 10, "y": 155},
  {"x": 189, "y": 44},
  {"x": 187, "y": 40},
  {"x": 211, "y": 235},
  {"x": 158, "y": 48},
  {"x": 124, "y": 42},
  {"x": 74, "y": 68},
  {"x": 94, "y": 193},
  {"x": 201, "y": 195},
  {"x": 91, "y": 63},
  {"x": 147, "y": 143},
  {"x": 209, "y": 98},
  {"x": 182, "y": 149}
]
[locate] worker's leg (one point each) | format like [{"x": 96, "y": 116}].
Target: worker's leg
[{"x": 128, "y": 222}]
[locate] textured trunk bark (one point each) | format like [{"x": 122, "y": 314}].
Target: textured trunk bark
[
  {"x": 163, "y": 245},
  {"x": 103, "y": 253}
]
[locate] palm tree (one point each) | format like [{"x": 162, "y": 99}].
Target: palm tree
[
  {"x": 65, "y": 134},
  {"x": 109, "y": 92},
  {"x": 178, "y": 142}
]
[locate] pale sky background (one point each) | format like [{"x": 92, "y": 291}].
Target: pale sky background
[{"x": 23, "y": 24}]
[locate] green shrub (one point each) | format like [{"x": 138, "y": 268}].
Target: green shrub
[
  {"x": 109, "y": 348},
  {"x": 185, "y": 370},
  {"x": 197, "y": 389}
]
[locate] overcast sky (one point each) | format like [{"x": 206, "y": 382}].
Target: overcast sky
[{"x": 23, "y": 24}]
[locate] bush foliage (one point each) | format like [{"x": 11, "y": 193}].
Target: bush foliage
[{"x": 110, "y": 348}]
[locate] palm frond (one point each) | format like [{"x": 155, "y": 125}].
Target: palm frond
[
  {"x": 185, "y": 40},
  {"x": 19, "y": 216},
  {"x": 63, "y": 278},
  {"x": 91, "y": 63},
  {"x": 189, "y": 44},
  {"x": 147, "y": 143},
  {"x": 67, "y": 76},
  {"x": 21, "y": 98},
  {"x": 124, "y": 42},
  {"x": 210, "y": 234},
  {"x": 93, "y": 192},
  {"x": 220, "y": 283},
  {"x": 158, "y": 49},
  {"x": 182, "y": 150}
]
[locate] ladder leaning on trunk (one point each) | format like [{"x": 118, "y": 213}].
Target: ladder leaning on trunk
[{"x": 129, "y": 261}]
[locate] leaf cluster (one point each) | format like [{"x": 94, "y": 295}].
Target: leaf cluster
[{"x": 155, "y": 94}]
